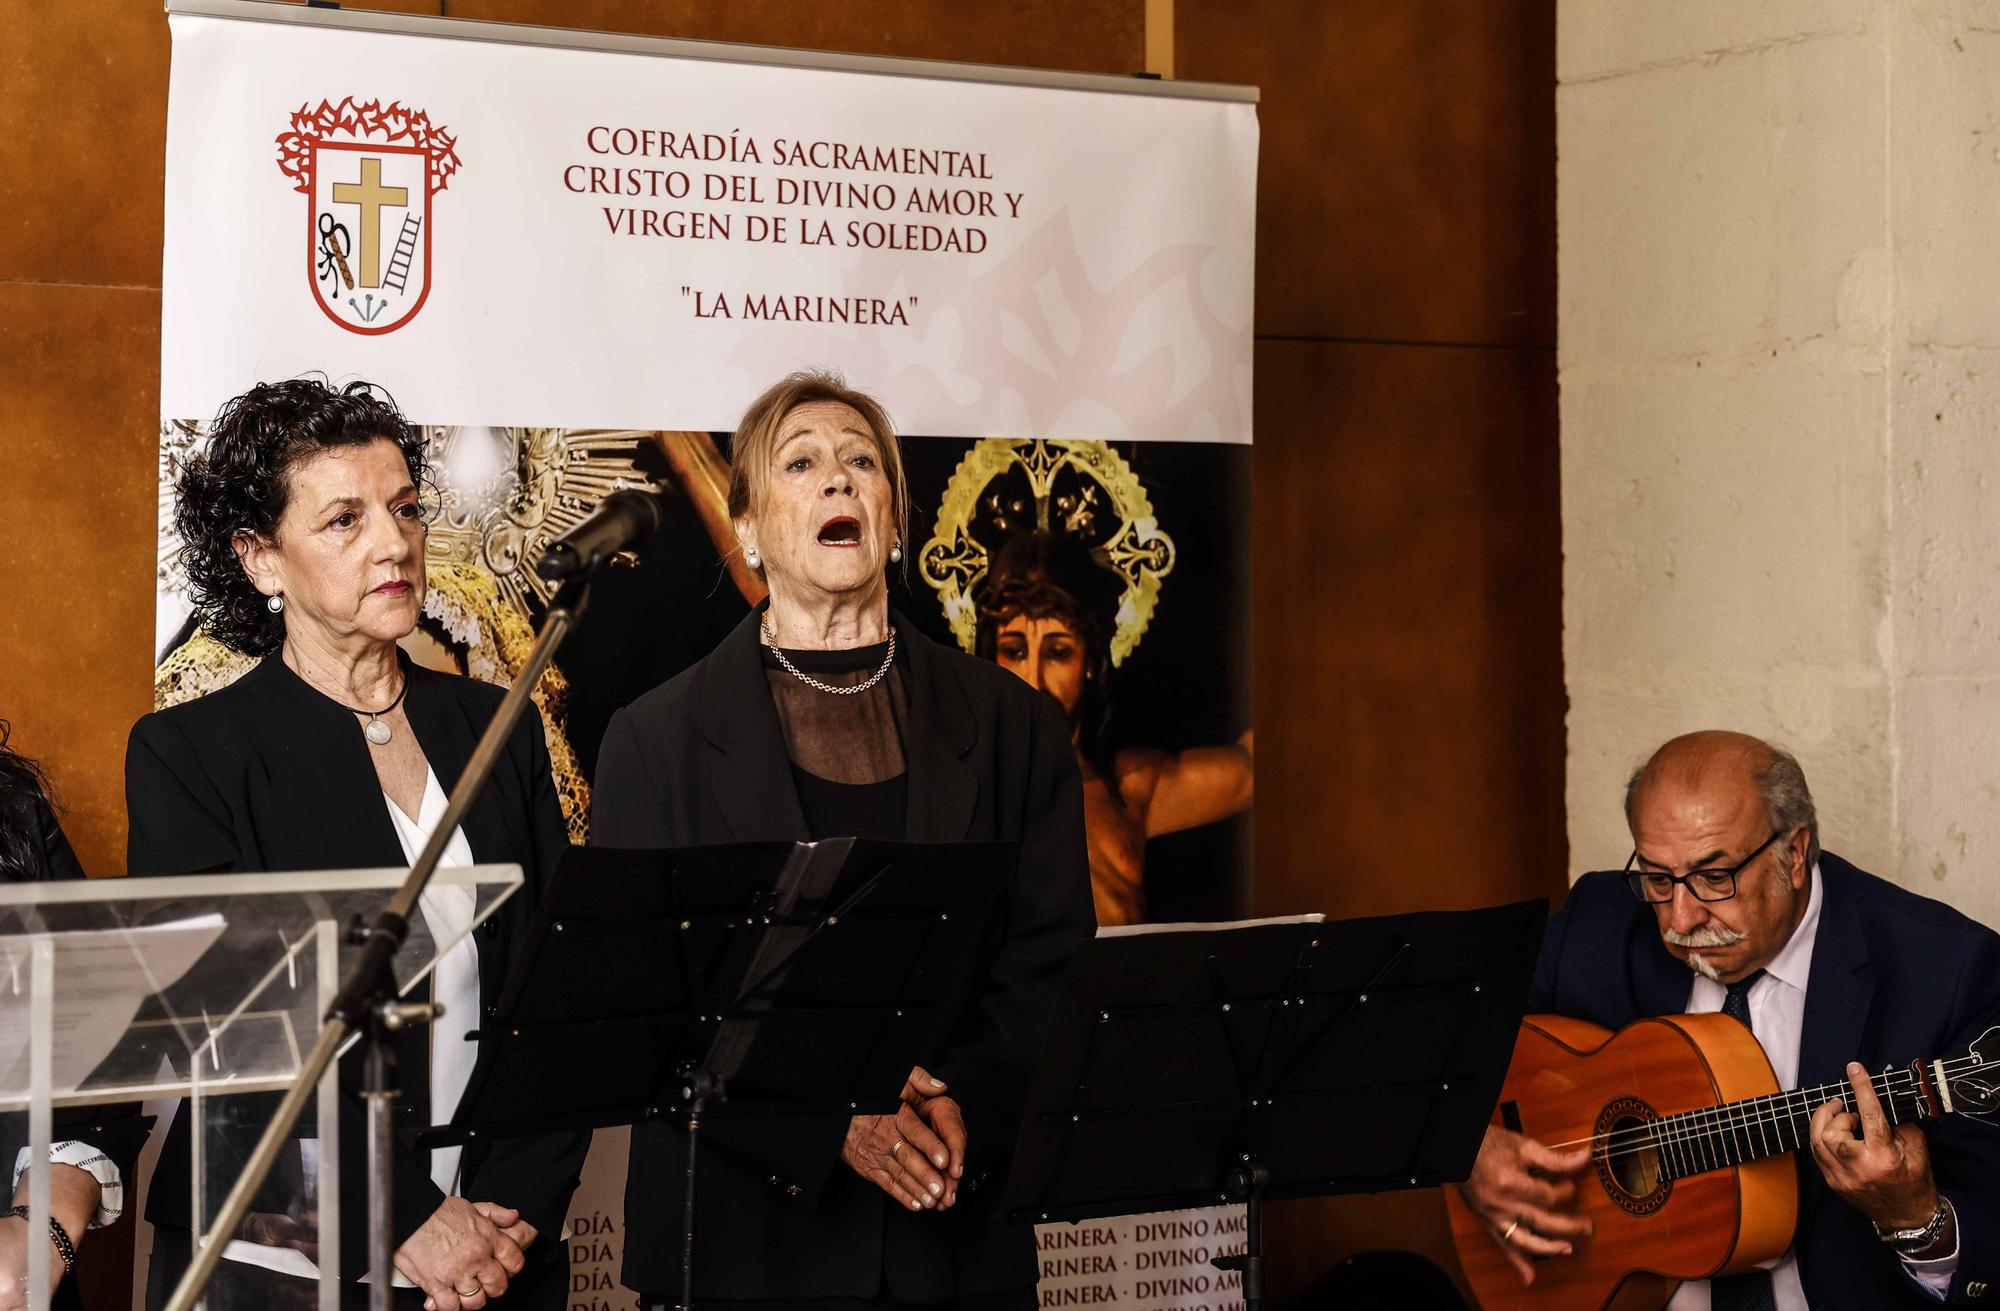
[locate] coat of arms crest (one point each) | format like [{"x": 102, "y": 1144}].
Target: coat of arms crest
[{"x": 369, "y": 171}]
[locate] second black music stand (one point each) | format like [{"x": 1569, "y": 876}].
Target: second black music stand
[{"x": 1276, "y": 1060}]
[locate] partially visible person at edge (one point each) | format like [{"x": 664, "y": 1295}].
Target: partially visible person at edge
[
  {"x": 1840, "y": 972},
  {"x": 1046, "y": 611},
  {"x": 303, "y": 526},
  {"x": 765, "y": 740},
  {"x": 95, "y": 1147}
]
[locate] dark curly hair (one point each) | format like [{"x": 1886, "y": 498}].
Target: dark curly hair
[
  {"x": 241, "y": 482},
  {"x": 24, "y": 787},
  {"x": 1047, "y": 575}
]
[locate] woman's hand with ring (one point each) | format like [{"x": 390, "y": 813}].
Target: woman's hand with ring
[
  {"x": 928, "y": 1097},
  {"x": 460, "y": 1248},
  {"x": 874, "y": 1150}
]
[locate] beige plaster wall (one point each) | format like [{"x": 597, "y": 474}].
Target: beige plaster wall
[{"x": 1778, "y": 347}]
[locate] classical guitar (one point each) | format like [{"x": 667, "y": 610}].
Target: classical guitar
[{"x": 1691, "y": 1142}]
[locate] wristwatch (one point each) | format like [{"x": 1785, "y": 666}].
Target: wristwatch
[
  {"x": 1916, "y": 1240},
  {"x": 57, "y": 1235}
]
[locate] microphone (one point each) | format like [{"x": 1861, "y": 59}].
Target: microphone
[{"x": 620, "y": 522}]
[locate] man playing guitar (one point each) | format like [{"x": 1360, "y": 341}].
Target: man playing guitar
[{"x": 1728, "y": 904}]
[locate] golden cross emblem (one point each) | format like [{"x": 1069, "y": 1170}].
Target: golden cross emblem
[{"x": 373, "y": 197}]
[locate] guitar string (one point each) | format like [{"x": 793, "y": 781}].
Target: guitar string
[
  {"x": 1705, "y": 1136},
  {"x": 1718, "y": 1126},
  {"x": 1730, "y": 1125},
  {"x": 1775, "y": 1109},
  {"x": 1688, "y": 1128},
  {"x": 1810, "y": 1099}
]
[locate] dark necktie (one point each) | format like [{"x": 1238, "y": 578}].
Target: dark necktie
[{"x": 1751, "y": 1290}]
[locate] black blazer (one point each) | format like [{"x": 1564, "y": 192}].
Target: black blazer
[
  {"x": 268, "y": 774},
  {"x": 1895, "y": 977},
  {"x": 702, "y": 760},
  {"x": 49, "y": 856}
]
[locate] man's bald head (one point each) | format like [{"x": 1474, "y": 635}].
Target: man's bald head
[
  {"x": 1717, "y": 761},
  {"x": 1708, "y": 812}
]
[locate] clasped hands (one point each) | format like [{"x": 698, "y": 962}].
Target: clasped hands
[
  {"x": 1526, "y": 1192},
  {"x": 463, "y": 1256},
  {"x": 917, "y": 1155}
]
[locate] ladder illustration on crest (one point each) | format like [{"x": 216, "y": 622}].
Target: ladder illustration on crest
[{"x": 406, "y": 250}]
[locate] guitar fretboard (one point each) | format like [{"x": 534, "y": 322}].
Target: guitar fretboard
[{"x": 1694, "y": 1142}]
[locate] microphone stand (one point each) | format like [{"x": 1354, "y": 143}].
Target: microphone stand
[{"x": 367, "y": 998}]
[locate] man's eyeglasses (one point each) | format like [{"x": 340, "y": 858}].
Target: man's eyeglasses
[{"x": 1705, "y": 884}]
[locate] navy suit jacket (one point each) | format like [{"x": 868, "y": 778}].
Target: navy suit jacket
[{"x": 1895, "y": 977}]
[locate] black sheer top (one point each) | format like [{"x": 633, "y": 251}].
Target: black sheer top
[{"x": 846, "y": 752}]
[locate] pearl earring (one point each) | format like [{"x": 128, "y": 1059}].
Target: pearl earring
[
  {"x": 896, "y": 554},
  {"x": 275, "y": 603},
  {"x": 750, "y": 557}
]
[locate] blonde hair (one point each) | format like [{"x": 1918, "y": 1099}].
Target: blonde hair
[{"x": 757, "y": 436}]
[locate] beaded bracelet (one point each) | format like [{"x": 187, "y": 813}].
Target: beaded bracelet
[{"x": 57, "y": 1235}]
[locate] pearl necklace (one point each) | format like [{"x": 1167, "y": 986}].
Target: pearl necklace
[{"x": 771, "y": 641}]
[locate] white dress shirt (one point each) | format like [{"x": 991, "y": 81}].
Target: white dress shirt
[{"x": 1778, "y": 1019}]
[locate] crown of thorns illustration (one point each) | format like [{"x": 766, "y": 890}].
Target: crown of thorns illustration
[
  {"x": 1075, "y": 488},
  {"x": 391, "y": 124}
]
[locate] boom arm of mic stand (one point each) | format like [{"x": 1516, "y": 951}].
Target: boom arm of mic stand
[{"x": 369, "y": 983}]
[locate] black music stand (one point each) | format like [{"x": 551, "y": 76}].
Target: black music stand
[
  {"x": 751, "y": 981},
  {"x": 1275, "y": 1060}
]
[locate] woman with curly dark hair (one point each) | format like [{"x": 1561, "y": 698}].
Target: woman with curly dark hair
[
  {"x": 32, "y": 845},
  {"x": 303, "y": 526}
]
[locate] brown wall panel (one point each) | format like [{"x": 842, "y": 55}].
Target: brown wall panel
[
  {"x": 1408, "y": 662},
  {"x": 1408, "y": 557},
  {"x": 1407, "y": 182},
  {"x": 84, "y": 97},
  {"x": 1408, "y": 668},
  {"x": 79, "y": 386}
]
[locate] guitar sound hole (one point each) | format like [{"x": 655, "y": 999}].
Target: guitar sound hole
[{"x": 1629, "y": 1167}]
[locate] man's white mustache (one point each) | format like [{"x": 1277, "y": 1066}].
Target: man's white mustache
[{"x": 1708, "y": 935}]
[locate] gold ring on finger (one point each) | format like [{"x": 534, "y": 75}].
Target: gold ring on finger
[
  {"x": 1508, "y": 1235},
  {"x": 897, "y": 1148}
]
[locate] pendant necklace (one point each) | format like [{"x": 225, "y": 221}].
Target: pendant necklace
[{"x": 377, "y": 729}]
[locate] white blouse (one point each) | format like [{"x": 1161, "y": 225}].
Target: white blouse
[{"x": 447, "y": 910}]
